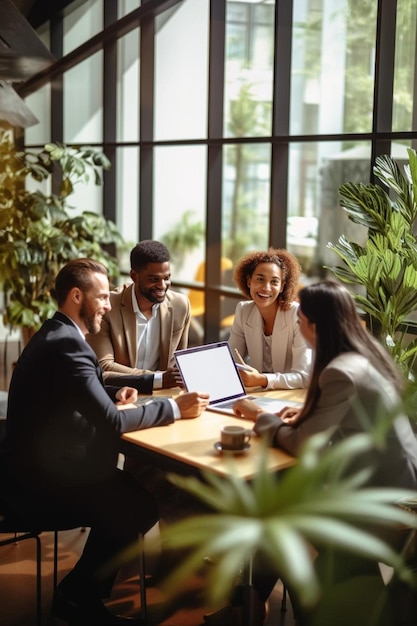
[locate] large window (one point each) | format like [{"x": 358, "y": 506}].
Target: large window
[{"x": 231, "y": 124}]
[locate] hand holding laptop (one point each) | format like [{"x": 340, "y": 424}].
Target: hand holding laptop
[
  {"x": 192, "y": 404},
  {"x": 172, "y": 378},
  {"x": 211, "y": 367}
]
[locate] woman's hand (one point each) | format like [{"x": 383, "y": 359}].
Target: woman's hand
[
  {"x": 192, "y": 403},
  {"x": 247, "y": 409},
  {"x": 289, "y": 415},
  {"x": 126, "y": 395},
  {"x": 252, "y": 378}
]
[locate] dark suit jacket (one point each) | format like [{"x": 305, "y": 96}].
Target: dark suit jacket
[{"x": 62, "y": 424}]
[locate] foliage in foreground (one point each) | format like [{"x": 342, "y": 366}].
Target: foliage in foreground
[{"x": 280, "y": 516}]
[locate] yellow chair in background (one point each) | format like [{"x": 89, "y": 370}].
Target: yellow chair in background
[{"x": 196, "y": 296}]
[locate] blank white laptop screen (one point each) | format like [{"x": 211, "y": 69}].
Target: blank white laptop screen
[{"x": 210, "y": 368}]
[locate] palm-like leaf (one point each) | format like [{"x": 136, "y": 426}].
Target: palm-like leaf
[
  {"x": 279, "y": 516},
  {"x": 387, "y": 265}
]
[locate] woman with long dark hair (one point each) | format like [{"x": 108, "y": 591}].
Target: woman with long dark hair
[{"x": 353, "y": 383}]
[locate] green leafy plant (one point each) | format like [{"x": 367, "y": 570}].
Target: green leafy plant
[
  {"x": 279, "y": 516},
  {"x": 38, "y": 232},
  {"x": 387, "y": 265}
]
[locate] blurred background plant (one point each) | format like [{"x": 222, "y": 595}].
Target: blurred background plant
[
  {"x": 184, "y": 237},
  {"x": 40, "y": 232}
]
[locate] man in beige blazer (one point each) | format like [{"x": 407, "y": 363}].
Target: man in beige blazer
[
  {"x": 146, "y": 324},
  {"x": 135, "y": 347}
]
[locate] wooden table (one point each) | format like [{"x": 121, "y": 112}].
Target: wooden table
[{"x": 188, "y": 445}]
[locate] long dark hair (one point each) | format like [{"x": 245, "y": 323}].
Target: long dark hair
[{"x": 339, "y": 329}]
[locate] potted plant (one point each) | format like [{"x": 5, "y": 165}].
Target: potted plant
[
  {"x": 279, "y": 516},
  {"x": 386, "y": 266},
  {"x": 40, "y": 232}
]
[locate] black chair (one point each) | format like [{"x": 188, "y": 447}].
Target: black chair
[{"x": 20, "y": 532}]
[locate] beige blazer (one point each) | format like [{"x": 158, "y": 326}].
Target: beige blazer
[
  {"x": 116, "y": 343},
  {"x": 291, "y": 358}
]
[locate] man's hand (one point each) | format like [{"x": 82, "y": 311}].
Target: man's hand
[
  {"x": 172, "y": 378},
  {"x": 126, "y": 395},
  {"x": 247, "y": 409},
  {"x": 192, "y": 403}
]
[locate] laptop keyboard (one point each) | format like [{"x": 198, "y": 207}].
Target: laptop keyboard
[{"x": 228, "y": 404}]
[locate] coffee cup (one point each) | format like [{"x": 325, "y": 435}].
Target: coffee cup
[{"x": 234, "y": 437}]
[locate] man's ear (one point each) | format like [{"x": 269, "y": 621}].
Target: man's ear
[
  {"x": 132, "y": 275},
  {"x": 76, "y": 295}
]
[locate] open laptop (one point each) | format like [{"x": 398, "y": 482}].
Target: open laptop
[{"x": 211, "y": 368}]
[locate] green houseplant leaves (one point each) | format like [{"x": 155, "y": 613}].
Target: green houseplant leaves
[
  {"x": 39, "y": 231},
  {"x": 279, "y": 516},
  {"x": 387, "y": 265}
]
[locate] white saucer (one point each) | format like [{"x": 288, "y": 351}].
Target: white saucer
[{"x": 218, "y": 446}]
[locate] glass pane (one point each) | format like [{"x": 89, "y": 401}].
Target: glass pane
[
  {"x": 181, "y": 66},
  {"x": 128, "y": 87},
  {"x": 40, "y": 104},
  {"x": 126, "y": 6},
  {"x": 245, "y": 210},
  {"x": 314, "y": 215},
  {"x": 405, "y": 66},
  {"x": 249, "y": 69},
  {"x": 83, "y": 84},
  {"x": 332, "y": 68},
  {"x": 82, "y": 23},
  {"x": 127, "y": 199},
  {"x": 180, "y": 206}
]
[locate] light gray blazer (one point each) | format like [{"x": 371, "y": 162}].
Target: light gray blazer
[
  {"x": 291, "y": 358},
  {"x": 352, "y": 391}
]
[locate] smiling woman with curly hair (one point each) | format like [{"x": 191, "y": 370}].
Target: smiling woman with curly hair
[{"x": 265, "y": 330}]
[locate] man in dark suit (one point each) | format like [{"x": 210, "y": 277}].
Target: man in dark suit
[{"x": 60, "y": 453}]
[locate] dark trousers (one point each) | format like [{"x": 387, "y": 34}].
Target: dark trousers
[{"x": 115, "y": 508}]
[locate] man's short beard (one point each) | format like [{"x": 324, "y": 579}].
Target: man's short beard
[{"x": 93, "y": 327}]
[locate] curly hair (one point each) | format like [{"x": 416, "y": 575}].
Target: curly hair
[
  {"x": 148, "y": 251},
  {"x": 290, "y": 269}
]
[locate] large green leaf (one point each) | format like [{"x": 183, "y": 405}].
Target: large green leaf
[
  {"x": 387, "y": 265},
  {"x": 367, "y": 205},
  {"x": 278, "y": 516}
]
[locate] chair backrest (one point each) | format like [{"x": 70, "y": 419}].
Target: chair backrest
[{"x": 195, "y": 296}]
